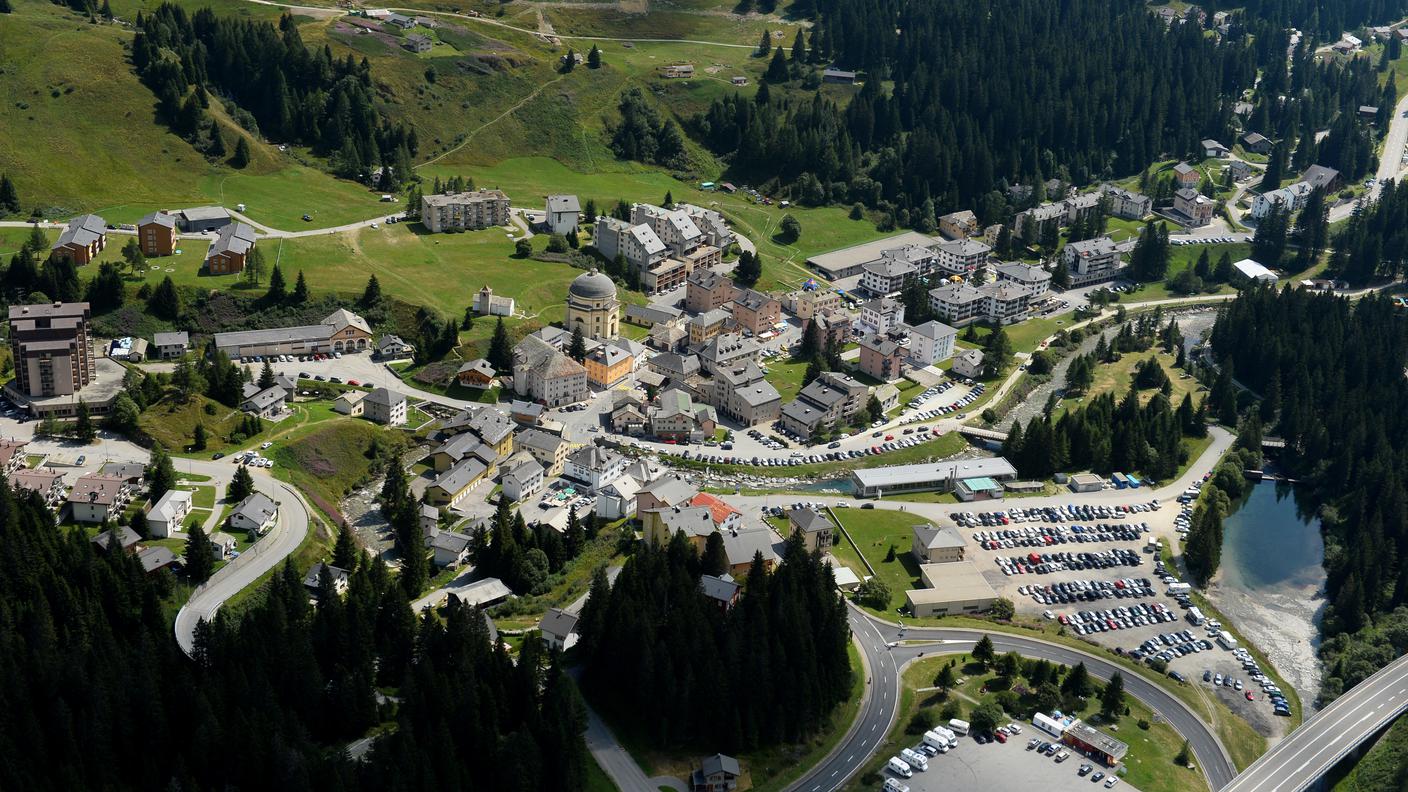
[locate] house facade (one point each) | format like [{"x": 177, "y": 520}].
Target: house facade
[
  {"x": 466, "y": 211},
  {"x": 156, "y": 233}
]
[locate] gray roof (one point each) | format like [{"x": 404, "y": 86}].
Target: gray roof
[
  {"x": 558, "y": 623},
  {"x": 97, "y": 489},
  {"x": 131, "y": 471},
  {"x": 1023, "y": 273},
  {"x": 181, "y": 338},
  {"x": 753, "y": 300},
  {"x": 757, "y": 393},
  {"x": 1319, "y": 176},
  {"x": 933, "y": 330},
  {"x": 450, "y": 541},
  {"x": 233, "y": 238},
  {"x": 385, "y": 396},
  {"x": 198, "y": 213},
  {"x": 721, "y": 763},
  {"x": 895, "y": 475},
  {"x": 653, "y": 313},
  {"x": 594, "y": 458},
  {"x": 83, "y": 230},
  {"x": 592, "y": 285},
  {"x": 125, "y": 535},
  {"x": 809, "y": 520},
  {"x": 675, "y": 364},
  {"x": 311, "y": 579},
  {"x": 257, "y": 508},
  {"x": 155, "y": 558},
  {"x": 670, "y": 489},
  {"x": 1092, "y": 247},
  {"x": 459, "y": 476},
  {"x": 483, "y": 591},
  {"x": 564, "y": 203},
  {"x": 158, "y": 218},
  {"x": 934, "y": 537},
  {"x": 693, "y": 520},
  {"x": 880, "y": 344},
  {"x": 742, "y": 546},
  {"x": 721, "y": 587},
  {"x": 857, "y": 255},
  {"x": 461, "y": 446},
  {"x": 536, "y": 438},
  {"x": 391, "y": 340},
  {"x": 265, "y": 398}
]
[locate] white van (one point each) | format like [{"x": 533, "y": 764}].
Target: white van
[
  {"x": 894, "y": 785},
  {"x": 947, "y": 735},
  {"x": 938, "y": 741},
  {"x": 899, "y": 767},
  {"x": 959, "y": 727},
  {"x": 915, "y": 759}
]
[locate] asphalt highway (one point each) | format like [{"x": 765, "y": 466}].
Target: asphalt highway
[
  {"x": 885, "y": 660},
  {"x": 1298, "y": 761}
]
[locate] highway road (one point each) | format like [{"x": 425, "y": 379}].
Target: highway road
[
  {"x": 881, "y": 706},
  {"x": 1301, "y": 758}
]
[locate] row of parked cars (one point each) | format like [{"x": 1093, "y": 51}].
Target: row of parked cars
[
  {"x": 929, "y": 393},
  {"x": 1122, "y": 618},
  {"x": 1045, "y": 536},
  {"x": 1071, "y": 591},
  {"x": 1167, "y": 646},
  {"x": 1054, "y": 514},
  {"x": 1046, "y": 563},
  {"x": 774, "y": 443},
  {"x": 935, "y": 412},
  {"x": 1279, "y": 704},
  {"x": 1095, "y": 777},
  {"x": 292, "y": 358}
]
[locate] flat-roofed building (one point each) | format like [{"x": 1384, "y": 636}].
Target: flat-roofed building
[
  {"x": 955, "y": 589},
  {"x": 1094, "y": 743},
  {"x": 199, "y": 219},
  {"x": 51, "y": 348},
  {"x": 940, "y": 476},
  {"x": 847, "y": 262},
  {"x": 466, "y": 211}
]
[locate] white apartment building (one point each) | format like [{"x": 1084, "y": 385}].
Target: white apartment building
[
  {"x": 961, "y": 256},
  {"x": 886, "y": 277},
  {"x": 1091, "y": 260},
  {"x": 468, "y": 211},
  {"x": 931, "y": 343},
  {"x": 882, "y": 314},
  {"x": 1033, "y": 278}
]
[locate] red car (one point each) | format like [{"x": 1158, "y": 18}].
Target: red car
[
  {"x": 1002, "y": 738},
  {"x": 353, "y": 382},
  {"x": 1250, "y": 697},
  {"x": 889, "y": 438}
]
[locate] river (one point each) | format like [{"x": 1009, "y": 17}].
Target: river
[{"x": 1271, "y": 583}]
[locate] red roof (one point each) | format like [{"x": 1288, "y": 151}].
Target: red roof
[{"x": 719, "y": 511}]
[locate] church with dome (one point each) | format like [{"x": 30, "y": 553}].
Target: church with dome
[{"x": 593, "y": 307}]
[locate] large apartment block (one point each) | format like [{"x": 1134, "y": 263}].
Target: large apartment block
[
  {"x": 52, "y": 350},
  {"x": 1091, "y": 260},
  {"x": 466, "y": 211}
]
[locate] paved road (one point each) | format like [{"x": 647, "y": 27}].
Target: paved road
[
  {"x": 287, "y": 533},
  {"x": 881, "y": 707},
  {"x": 1299, "y": 760}
]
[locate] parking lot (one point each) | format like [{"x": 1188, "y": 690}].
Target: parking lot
[
  {"x": 1096, "y": 570},
  {"x": 1003, "y": 767}
]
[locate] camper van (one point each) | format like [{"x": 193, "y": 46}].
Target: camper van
[
  {"x": 894, "y": 785},
  {"x": 915, "y": 759},
  {"x": 938, "y": 740},
  {"x": 899, "y": 767},
  {"x": 959, "y": 727}
]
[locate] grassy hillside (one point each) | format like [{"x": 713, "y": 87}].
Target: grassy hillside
[
  {"x": 331, "y": 459},
  {"x": 79, "y": 133},
  {"x": 173, "y": 423}
]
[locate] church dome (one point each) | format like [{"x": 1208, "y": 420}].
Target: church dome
[{"x": 592, "y": 286}]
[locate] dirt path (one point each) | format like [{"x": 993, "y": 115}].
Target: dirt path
[{"x": 525, "y": 100}]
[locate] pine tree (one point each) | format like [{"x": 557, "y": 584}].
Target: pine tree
[
  {"x": 199, "y": 560},
  {"x": 777, "y": 68},
  {"x": 594, "y": 62},
  {"x": 569, "y": 61},
  {"x": 371, "y": 295},
  {"x": 160, "y": 474},
  {"x": 300, "y": 290},
  {"x": 9, "y": 198},
  {"x": 241, "y": 485},
  {"x": 500, "y": 349},
  {"x": 578, "y": 348},
  {"x": 944, "y": 680},
  {"x": 278, "y": 290},
  {"x": 765, "y": 45},
  {"x": 799, "y": 47},
  {"x": 84, "y": 430},
  {"x": 1112, "y": 697},
  {"x": 983, "y": 651},
  {"x": 241, "y": 157},
  {"x": 346, "y": 551},
  {"x": 165, "y": 302},
  {"x": 266, "y": 376},
  {"x": 199, "y": 438}
]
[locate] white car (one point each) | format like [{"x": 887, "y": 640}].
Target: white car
[{"x": 266, "y": 444}]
